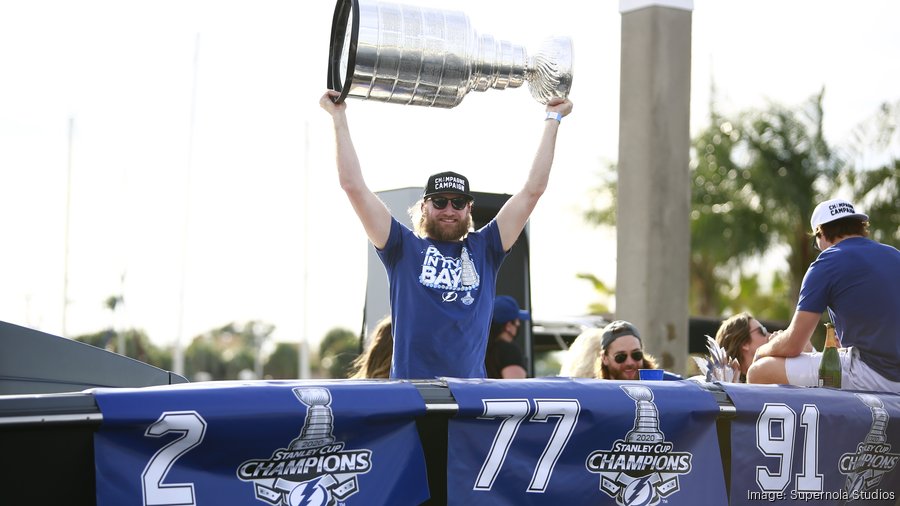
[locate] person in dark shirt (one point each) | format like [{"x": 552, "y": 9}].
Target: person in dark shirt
[{"x": 504, "y": 359}]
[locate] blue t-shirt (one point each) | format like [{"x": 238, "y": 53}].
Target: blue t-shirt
[
  {"x": 442, "y": 301},
  {"x": 858, "y": 281}
]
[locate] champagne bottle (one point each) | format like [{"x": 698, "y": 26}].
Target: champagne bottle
[{"x": 830, "y": 367}]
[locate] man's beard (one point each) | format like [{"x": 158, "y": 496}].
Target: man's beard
[
  {"x": 441, "y": 233},
  {"x": 619, "y": 374}
]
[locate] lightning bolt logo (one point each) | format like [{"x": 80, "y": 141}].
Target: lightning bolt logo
[
  {"x": 305, "y": 497},
  {"x": 636, "y": 488}
]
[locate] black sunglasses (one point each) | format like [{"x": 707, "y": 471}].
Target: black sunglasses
[
  {"x": 762, "y": 329},
  {"x": 621, "y": 357},
  {"x": 816, "y": 240},
  {"x": 459, "y": 203}
]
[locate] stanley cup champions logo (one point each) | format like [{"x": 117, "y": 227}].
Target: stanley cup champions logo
[
  {"x": 314, "y": 470},
  {"x": 873, "y": 457},
  {"x": 642, "y": 468}
]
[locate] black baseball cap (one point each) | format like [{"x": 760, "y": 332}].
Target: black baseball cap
[
  {"x": 617, "y": 329},
  {"x": 447, "y": 182}
]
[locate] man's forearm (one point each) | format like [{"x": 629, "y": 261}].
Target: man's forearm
[
  {"x": 793, "y": 340},
  {"x": 779, "y": 346},
  {"x": 349, "y": 170},
  {"x": 539, "y": 175}
]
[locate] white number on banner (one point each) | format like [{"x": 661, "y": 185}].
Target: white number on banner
[
  {"x": 513, "y": 411},
  {"x": 566, "y": 410},
  {"x": 775, "y": 430},
  {"x": 810, "y": 480},
  {"x": 192, "y": 428}
]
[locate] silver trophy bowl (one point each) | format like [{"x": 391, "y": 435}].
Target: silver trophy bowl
[{"x": 405, "y": 54}]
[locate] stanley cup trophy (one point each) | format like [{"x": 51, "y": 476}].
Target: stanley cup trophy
[{"x": 410, "y": 55}]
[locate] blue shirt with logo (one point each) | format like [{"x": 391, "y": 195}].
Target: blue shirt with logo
[
  {"x": 442, "y": 301},
  {"x": 858, "y": 281}
]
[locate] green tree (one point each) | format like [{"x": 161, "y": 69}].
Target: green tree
[
  {"x": 877, "y": 191},
  {"x": 875, "y": 184},
  {"x": 600, "y": 307},
  {"x": 792, "y": 168},
  {"x": 137, "y": 346},
  {"x": 337, "y": 351},
  {"x": 728, "y": 223},
  {"x": 770, "y": 303},
  {"x": 113, "y": 301},
  {"x": 224, "y": 352},
  {"x": 201, "y": 358},
  {"x": 282, "y": 363}
]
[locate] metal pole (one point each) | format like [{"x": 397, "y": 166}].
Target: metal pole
[
  {"x": 303, "y": 346},
  {"x": 65, "y": 308},
  {"x": 178, "y": 356}
]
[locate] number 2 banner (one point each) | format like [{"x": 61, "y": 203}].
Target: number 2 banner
[
  {"x": 581, "y": 441},
  {"x": 268, "y": 443},
  {"x": 815, "y": 445}
]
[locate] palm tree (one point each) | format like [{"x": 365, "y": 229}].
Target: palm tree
[
  {"x": 875, "y": 183},
  {"x": 877, "y": 191},
  {"x": 728, "y": 222},
  {"x": 791, "y": 169}
]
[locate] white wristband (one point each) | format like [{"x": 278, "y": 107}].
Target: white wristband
[{"x": 554, "y": 115}]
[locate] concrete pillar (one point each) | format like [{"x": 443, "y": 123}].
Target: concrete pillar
[{"x": 653, "y": 210}]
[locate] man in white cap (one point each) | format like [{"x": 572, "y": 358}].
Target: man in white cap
[{"x": 858, "y": 281}]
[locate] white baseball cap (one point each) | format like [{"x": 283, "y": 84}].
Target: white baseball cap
[{"x": 834, "y": 209}]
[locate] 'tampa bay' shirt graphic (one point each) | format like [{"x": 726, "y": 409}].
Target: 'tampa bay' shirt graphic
[{"x": 448, "y": 273}]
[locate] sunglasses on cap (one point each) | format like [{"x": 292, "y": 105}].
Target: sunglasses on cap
[
  {"x": 459, "y": 203},
  {"x": 621, "y": 357}
]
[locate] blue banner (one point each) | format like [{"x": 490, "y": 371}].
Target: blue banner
[
  {"x": 818, "y": 445},
  {"x": 271, "y": 443},
  {"x": 581, "y": 441}
]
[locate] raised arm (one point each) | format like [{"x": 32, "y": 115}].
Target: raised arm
[
  {"x": 512, "y": 216},
  {"x": 372, "y": 213}
]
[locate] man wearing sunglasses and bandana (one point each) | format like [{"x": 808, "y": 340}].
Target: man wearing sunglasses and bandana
[
  {"x": 442, "y": 277},
  {"x": 858, "y": 281},
  {"x": 622, "y": 352},
  {"x": 613, "y": 352}
]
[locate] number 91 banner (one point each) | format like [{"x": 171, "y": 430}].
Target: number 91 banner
[
  {"x": 268, "y": 443},
  {"x": 565, "y": 441},
  {"x": 814, "y": 445}
]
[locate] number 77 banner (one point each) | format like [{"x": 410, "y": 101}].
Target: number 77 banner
[
  {"x": 572, "y": 441},
  {"x": 813, "y": 445}
]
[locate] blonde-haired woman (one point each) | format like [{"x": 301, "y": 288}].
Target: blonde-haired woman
[{"x": 375, "y": 361}]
